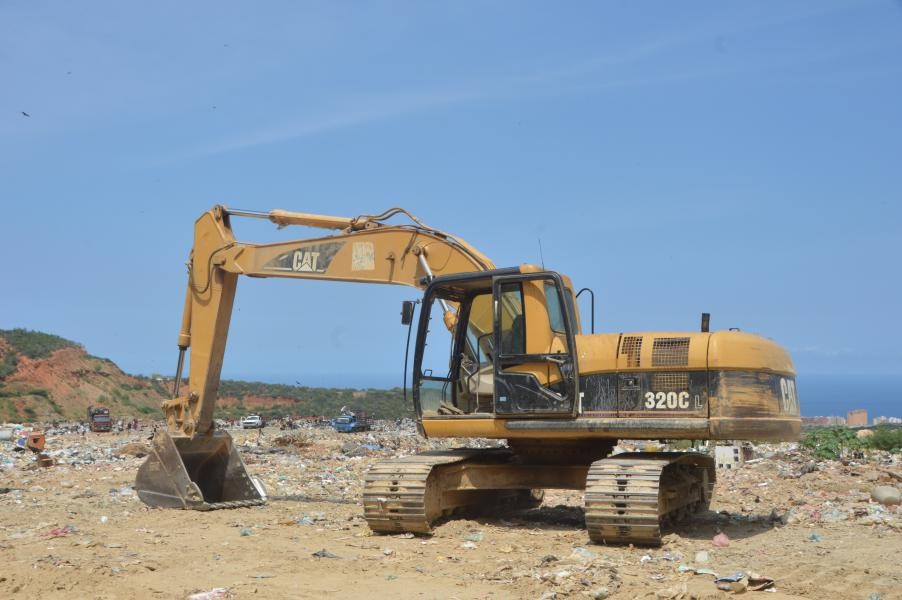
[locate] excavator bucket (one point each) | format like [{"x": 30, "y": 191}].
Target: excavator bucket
[{"x": 204, "y": 473}]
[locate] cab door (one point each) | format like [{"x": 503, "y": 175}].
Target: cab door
[{"x": 536, "y": 372}]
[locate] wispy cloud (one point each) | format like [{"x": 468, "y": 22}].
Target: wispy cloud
[{"x": 600, "y": 72}]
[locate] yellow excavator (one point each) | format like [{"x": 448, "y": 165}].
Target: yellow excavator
[{"x": 499, "y": 354}]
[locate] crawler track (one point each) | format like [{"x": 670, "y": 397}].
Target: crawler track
[
  {"x": 409, "y": 494},
  {"x": 399, "y": 496},
  {"x": 629, "y": 495}
]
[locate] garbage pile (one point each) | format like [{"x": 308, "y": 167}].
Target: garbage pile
[{"x": 783, "y": 522}]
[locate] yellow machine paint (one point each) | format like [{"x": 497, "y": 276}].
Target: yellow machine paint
[{"x": 520, "y": 368}]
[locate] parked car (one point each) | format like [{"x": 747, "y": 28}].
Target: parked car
[{"x": 252, "y": 422}]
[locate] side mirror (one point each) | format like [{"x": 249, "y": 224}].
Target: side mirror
[{"x": 407, "y": 308}]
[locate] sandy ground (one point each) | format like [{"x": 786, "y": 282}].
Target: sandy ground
[{"x": 77, "y": 530}]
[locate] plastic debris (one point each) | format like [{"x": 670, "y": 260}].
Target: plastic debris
[
  {"x": 731, "y": 583},
  {"x": 694, "y": 569},
  {"x": 61, "y": 531},
  {"x": 324, "y": 554},
  {"x": 814, "y": 537},
  {"x": 649, "y": 558},
  {"x": 702, "y": 557},
  {"x": 476, "y": 536},
  {"x": 214, "y": 594},
  {"x": 245, "y": 531},
  {"x": 583, "y": 554},
  {"x": 759, "y": 583},
  {"x": 720, "y": 540}
]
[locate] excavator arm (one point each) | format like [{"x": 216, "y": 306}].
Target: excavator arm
[
  {"x": 364, "y": 250},
  {"x": 194, "y": 466}
]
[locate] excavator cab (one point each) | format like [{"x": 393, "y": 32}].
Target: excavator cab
[{"x": 511, "y": 346}]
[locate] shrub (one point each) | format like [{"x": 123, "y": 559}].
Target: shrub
[
  {"x": 8, "y": 365},
  {"x": 831, "y": 442},
  {"x": 885, "y": 438}
]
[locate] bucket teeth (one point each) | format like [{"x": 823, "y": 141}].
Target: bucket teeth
[{"x": 200, "y": 473}]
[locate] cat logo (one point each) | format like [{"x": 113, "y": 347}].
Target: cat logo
[
  {"x": 310, "y": 258},
  {"x": 304, "y": 261}
]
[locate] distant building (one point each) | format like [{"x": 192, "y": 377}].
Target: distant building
[
  {"x": 857, "y": 418},
  {"x": 891, "y": 420}
]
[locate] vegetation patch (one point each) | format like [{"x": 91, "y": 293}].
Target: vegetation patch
[
  {"x": 35, "y": 344},
  {"x": 309, "y": 401},
  {"x": 831, "y": 443},
  {"x": 8, "y": 364}
]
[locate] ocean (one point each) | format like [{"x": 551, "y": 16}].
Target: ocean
[{"x": 827, "y": 395}]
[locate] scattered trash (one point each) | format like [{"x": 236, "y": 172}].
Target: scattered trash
[
  {"x": 93, "y": 478},
  {"x": 61, "y": 531},
  {"x": 214, "y": 594},
  {"x": 557, "y": 577},
  {"x": 759, "y": 583},
  {"x": 731, "y": 583},
  {"x": 649, "y": 558},
  {"x": 694, "y": 569},
  {"x": 720, "y": 540},
  {"x": 835, "y": 516},
  {"x": 583, "y": 554},
  {"x": 104, "y": 519}
]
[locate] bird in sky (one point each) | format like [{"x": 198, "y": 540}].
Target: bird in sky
[{"x": 25, "y": 114}]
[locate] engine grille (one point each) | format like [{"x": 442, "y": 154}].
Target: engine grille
[
  {"x": 631, "y": 346},
  {"x": 670, "y": 352},
  {"x": 670, "y": 382}
]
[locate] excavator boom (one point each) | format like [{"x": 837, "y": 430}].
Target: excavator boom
[{"x": 194, "y": 466}]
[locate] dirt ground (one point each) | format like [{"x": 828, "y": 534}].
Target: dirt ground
[{"x": 77, "y": 530}]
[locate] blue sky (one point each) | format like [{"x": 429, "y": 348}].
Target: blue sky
[{"x": 740, "y": 158}]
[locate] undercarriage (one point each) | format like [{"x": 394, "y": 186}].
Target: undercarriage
[{"x": 627, "y": 496}]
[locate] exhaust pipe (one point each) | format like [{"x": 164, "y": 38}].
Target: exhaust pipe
[{"x": 201, "y": 473}]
